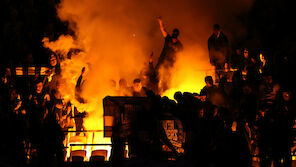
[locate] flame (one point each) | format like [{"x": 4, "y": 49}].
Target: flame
[
  {"x": 189, "y": 72},
  {"x": 71, "y": 70}
]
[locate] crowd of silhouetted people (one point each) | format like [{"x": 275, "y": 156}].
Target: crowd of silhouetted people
[
  {"x": 31, "y": 112},
  {"x": 241, "y": 113},
  {"x": 226, "y": 124}
]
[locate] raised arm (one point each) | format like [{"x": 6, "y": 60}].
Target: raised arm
[{"x": 163, "y": 30}]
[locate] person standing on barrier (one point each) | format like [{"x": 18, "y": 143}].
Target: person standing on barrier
[
  {"x": 172, "y": 46},
  {"x": 79, "y": 115},
  {"x": 218, "y": 46}
]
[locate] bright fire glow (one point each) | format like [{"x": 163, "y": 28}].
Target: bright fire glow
[
  {"x": 116, "y": 39},
  {"x": 190, "y": 71}
]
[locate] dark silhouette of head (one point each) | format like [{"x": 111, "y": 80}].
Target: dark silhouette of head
[
  {"x": 209, "y": 80},
  {"x": 175, "y": 33},
  {"x": 137, "y": 85},
  {"x": 217, "y": 29}
]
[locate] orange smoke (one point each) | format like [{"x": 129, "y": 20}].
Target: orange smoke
[
  {"x": 189, "y": 72},
  {"x": 117, "y": 37}
]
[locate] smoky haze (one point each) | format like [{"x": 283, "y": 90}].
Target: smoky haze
[
  {"x": 105, "y": 26},
  {"x": 122, "y": 33},
  {"x": 117, "y": 37}
]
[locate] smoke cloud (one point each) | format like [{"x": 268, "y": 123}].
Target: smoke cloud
[{"x": 117, "y": 37}]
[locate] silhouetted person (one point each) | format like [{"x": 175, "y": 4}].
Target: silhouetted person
[
  {"x": 149, "y": 76},
  {"x": 208, "y": 90},
  {"x": 112, "y": 87},
  {"x": 79, "y": 115},
  {"x": 264, "y": 64},
  {"x": 53, "y": 73},
  {"x": 266, "y": 125},
  {"x": 52, "y": 148},
  {"x": 61, "y": 108},
  {"x": 233, "y": 149},
  {"x": 167, "y": 58},
  {"x": 79, "y": 86},
  {"x": 7, "y": 81},
  {"x": 246, "y": 61},
  {"x": 38, "y": 111},
  {"x": 250, "y": 69},
  {"x": 248, "y": 103},
  {"x": 124, "y": 90},
  {"x": 268, "y": 90},
  {"x": 39, "y": 101},
  {"x": 137, "y": 89},
  {"x": 284, "y": 121},
  {"x": 218, "y": 46},
  {"x": 16, "y": 127},
  {"x": 237, "y": 57},
  {"x": 54, "y": 64}
]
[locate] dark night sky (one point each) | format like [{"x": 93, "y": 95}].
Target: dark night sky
[
  {"x": 24, "y": 24},
  {"x": 269, "y": 24}
]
